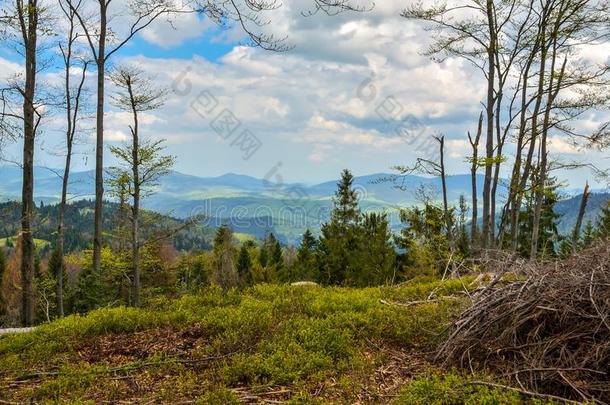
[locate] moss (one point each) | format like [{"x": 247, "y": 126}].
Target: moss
[
  {"x": 453, "y": 389},
  {"x": 267, "y": 335}
]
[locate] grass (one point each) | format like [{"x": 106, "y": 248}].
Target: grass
[
  {"x": 285, "y": 343},
  {"x": 40, "y": 243}
]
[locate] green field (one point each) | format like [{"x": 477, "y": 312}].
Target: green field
[
  {"x": 40, "y": 243},
  {"x": 269, "y": 343}
]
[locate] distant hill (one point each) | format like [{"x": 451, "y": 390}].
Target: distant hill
[
  {"x": 79, "y": 229},
  {"x": 256, "y": 206},
  {"x": 568, "y": 209}
]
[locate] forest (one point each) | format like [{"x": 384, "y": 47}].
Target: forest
[{"x": 479, "y": 299}]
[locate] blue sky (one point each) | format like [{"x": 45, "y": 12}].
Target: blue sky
[{"x": 321, "y": 107}]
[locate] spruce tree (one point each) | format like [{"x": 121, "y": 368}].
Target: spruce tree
[
  {"x": 603, "y": 224},
  {"x": 306, "y": 263},
  {"x": 244, "y": 266},
  {"x": 346, "y": 200},
  {"x": 276, "y": 255},
  {"x": 588, "y": 235},
  {"x": 263, "y": 256},
  {"x": 225, "y": 274},
  {"x": 340, "y": 236},
  {"x": 375, "y": 257}
]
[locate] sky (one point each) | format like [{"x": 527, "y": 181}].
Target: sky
[{"x": 341, "y": 97}]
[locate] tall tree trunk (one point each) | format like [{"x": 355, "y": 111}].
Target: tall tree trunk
[
  {"x": 487, "y": 232},
  {"x": 552, "y": 92},
  {"x": 29, "y": 31},
  {"x": 135, "y": 240},
  {"x": 99, "y": 144},
  {"x": 532, "y": 146},
  {"x": 59, "y": 296},
  {"x": 474, "y": 226},
  {"x": 516, "y": 172},
  {"x": 441, "y": 141},
  {"x": 581, "y": 213}
]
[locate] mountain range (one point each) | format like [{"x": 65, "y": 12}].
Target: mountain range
[{"x": 257, "y": 206}]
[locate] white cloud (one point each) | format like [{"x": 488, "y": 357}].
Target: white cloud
[
  {"x": 8, "y": 69},
  {"x": 559, "y": 144},
  {"x": 181, "y": 28}
]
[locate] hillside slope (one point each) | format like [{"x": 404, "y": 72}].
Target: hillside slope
[
  {"x": 268, "y": 344},
  {"x": 79, "y": 220}
]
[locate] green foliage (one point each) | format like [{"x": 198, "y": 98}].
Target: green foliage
[
  {"x": 603, "y": 224},
  {"x": 244, "y": 265},
  {"x": 151, "y": 163},
  {"x": 271, "y": 261},
  {"x": 194, "y": 269},
  {"x": 268, "y": 334},
  {"x": 549, "y": 238},
  {"x": 375, "y": 256},
  {"x": 453, "y": 389},
  {"x": 588, "y": 235},
  {"x": 424, "y": 239},
  {"x": 346, "y": 209},
  {"x": 79, "y": 217},
  {"x": 306, "y": 265},
  {"x": 353, "y": 249},
  {"x": 224, "y": 271}
]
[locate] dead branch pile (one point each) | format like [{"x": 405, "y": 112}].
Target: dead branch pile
[{"x": 548, "y": 332}]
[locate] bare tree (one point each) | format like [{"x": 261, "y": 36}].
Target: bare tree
[
  {"x": 471, "y": 30},
  {"x": 433, "y": 168},
  {"x": 142, "y": 161},
  {"x": 521, "y": 48},
  {"x": 474, "y": 166},
  {"x": 73, "y": 108},
  {"x": 23, "y": 20},
  {"x": 104, "y": 44}
]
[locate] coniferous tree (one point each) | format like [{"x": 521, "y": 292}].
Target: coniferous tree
[
  {"x": 603, "y": 224},
  {"x": 244, "y": 265},
  {"x": 56, "y": 269},
  {"x": 263, "y": 256},
  {"x": 588, "y": 235},
  {"x": 276, "y": 255},
  {"x": 427, "y": 248},
  {"x": 548, "y": 234},
  {"x": 225, "y": 273},
  {"x": 375, "y": 255},
  {"x": 339, "y": 236},
  {"x": 307, "y": 263}
]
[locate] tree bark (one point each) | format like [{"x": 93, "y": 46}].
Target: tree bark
[
  {"x": 99, "y": 144},
  {"x": 532, "y": 143},
  {"x": 29, "y": 30},
  {"x": 487, "y": 232},
  {"x": 135, "y": 240},
  {"x": 474, "y": 226},
  {"x": 552, "y": 93},
  {"x": 441, "y": 141}
]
